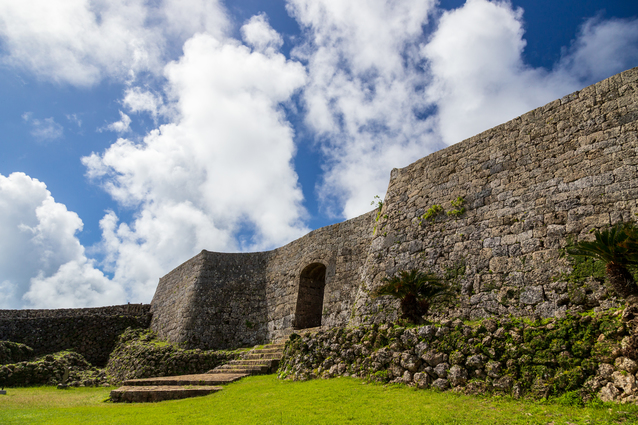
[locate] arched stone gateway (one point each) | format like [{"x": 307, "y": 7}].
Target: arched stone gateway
[{"x": 312, "y": 282}]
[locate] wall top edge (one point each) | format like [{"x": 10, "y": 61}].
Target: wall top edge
[
  {"x": 623, "y": 77},
  {"x": 123, "y": 309}
]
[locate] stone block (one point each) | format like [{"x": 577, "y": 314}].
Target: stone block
[{"x": 532, "y": 295}]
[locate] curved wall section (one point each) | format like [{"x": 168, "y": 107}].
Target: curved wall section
[{"x": 218, "y": 300}]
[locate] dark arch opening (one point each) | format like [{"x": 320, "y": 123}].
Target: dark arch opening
[{"x": 312, "y": 282}]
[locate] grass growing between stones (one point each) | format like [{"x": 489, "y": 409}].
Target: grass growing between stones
[{"x": 267, "y": 400}]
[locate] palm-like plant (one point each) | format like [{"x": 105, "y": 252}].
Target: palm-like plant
[
  {"x": 617, "y": 247},
  {"x": 417, "y": 291}
]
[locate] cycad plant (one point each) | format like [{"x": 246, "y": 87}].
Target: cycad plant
[
  {"x": 617, "y": 247},
  {"x": 417, "y": 291}
]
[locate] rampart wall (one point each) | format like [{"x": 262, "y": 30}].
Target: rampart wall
[
  {"x": 556, "y": 172},
  {"x": 218, "y": 300},
  {"x": 528, "y": 185},
  {"x": 91, "y": 332}
]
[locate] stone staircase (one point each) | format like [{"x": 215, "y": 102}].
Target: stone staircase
[{"x": 258, "y": 361}]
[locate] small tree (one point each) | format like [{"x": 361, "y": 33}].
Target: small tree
[
  {"x": 617, "y": 247},
  {"x": 417, "y": 291}
]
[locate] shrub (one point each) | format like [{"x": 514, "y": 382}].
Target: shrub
[
  {"x": 617, "y": 247},
  {"x": 417, "y": 291}
]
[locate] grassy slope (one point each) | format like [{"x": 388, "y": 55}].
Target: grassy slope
[{"x": 266, "y": 400}]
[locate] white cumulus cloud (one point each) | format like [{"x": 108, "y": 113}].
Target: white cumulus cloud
[
  {"x": 81, "y": 42},
  {"x": 391, "y": 82},
  {"x": 42, "y": 263},
  {"x": 139, "y": 100},
  {"x": 223, "y": 166},
  {"x": 480, "y": 79},
  {"x": 365, "y": 92},
  {"x": 602, "y": 48},
  {"x": 260, "y": 35},
  {"x": 121, "y": 126}
]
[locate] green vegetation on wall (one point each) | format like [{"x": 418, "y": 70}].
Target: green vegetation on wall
[
  {"x": 519, "y": 357},
  {"x": 458, "y": 208}
]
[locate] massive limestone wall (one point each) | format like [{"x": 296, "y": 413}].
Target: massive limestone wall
[
  {"x": 219, "y": 300},
  {"x": 91, "y": 332},
  {"x": 558, "y": 171},
  {"x": 528, "y": 185}
]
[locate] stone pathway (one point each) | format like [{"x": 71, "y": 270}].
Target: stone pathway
[{"x": 258, "y": 361}]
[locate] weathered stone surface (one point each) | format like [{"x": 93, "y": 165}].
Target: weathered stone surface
[
  {"x": 138, "y": 354},
  {"x": 441, "y": 370},
  {"x": 91, "y": 332},
  {"x": 13, "y": 352},
  {"x": 136, "y": 394},
  {"x": 493, "y": 369},
  {"x": 476, "y": 362},
  {"x": 552, "y": 357},
  {"x": 532, "y": 295},
  {"x": 457, "y": 376},
  {"x": 528, "y": 185},
  {"x": 609, "y": 393},
  {"x": 628, "y": 365},
  {"x": 67, "y": 368},
  {"x": 505, "y": 383},
  {"x": 422, "y": 380},
  {"x": 218, "y": 300},
  {"x": 433, "y": 358},
  {"x": 441, "y": 384},
  {"x": 605, "y": 370},
  {"x": 624, "y": 381},
  {"x": 410, "y": 362}
]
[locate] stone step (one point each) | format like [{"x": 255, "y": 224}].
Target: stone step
[
  {"x": 183, "y": 380},
  {"x": 268, "y": 349},
  {"x": 253, "y": 362},
  {"x": 252, "y": 370},
  {"x": 233, "y": 367},
  {"x": 258, "y": 361},
  {"x": 265, "y": 356},
  {"x": 146, "y": 394}
]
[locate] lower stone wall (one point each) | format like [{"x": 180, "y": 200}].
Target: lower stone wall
[
  {"x": 65, "y": 367},
  {"x": 593, "y": 355},
  {"x": 91, "y": 332},
  {"x": 138, "y": 354},
  {"x": 13, "y": 352}
]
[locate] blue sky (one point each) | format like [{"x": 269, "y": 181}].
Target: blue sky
[{"x": 136, "y": 133}]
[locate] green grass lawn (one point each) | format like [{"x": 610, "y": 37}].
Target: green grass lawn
[{"x": 267, "y": 400}]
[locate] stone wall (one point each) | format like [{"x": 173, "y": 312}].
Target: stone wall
[
  {"x": 521, "y": 191},
  {"x": 91, "y": 332},
  {"x": 588, "y": 356},
  {"x": 528, "y": 185},
  {"x": 218, "y": 300},
  {"x": 138, "y": 354}
]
